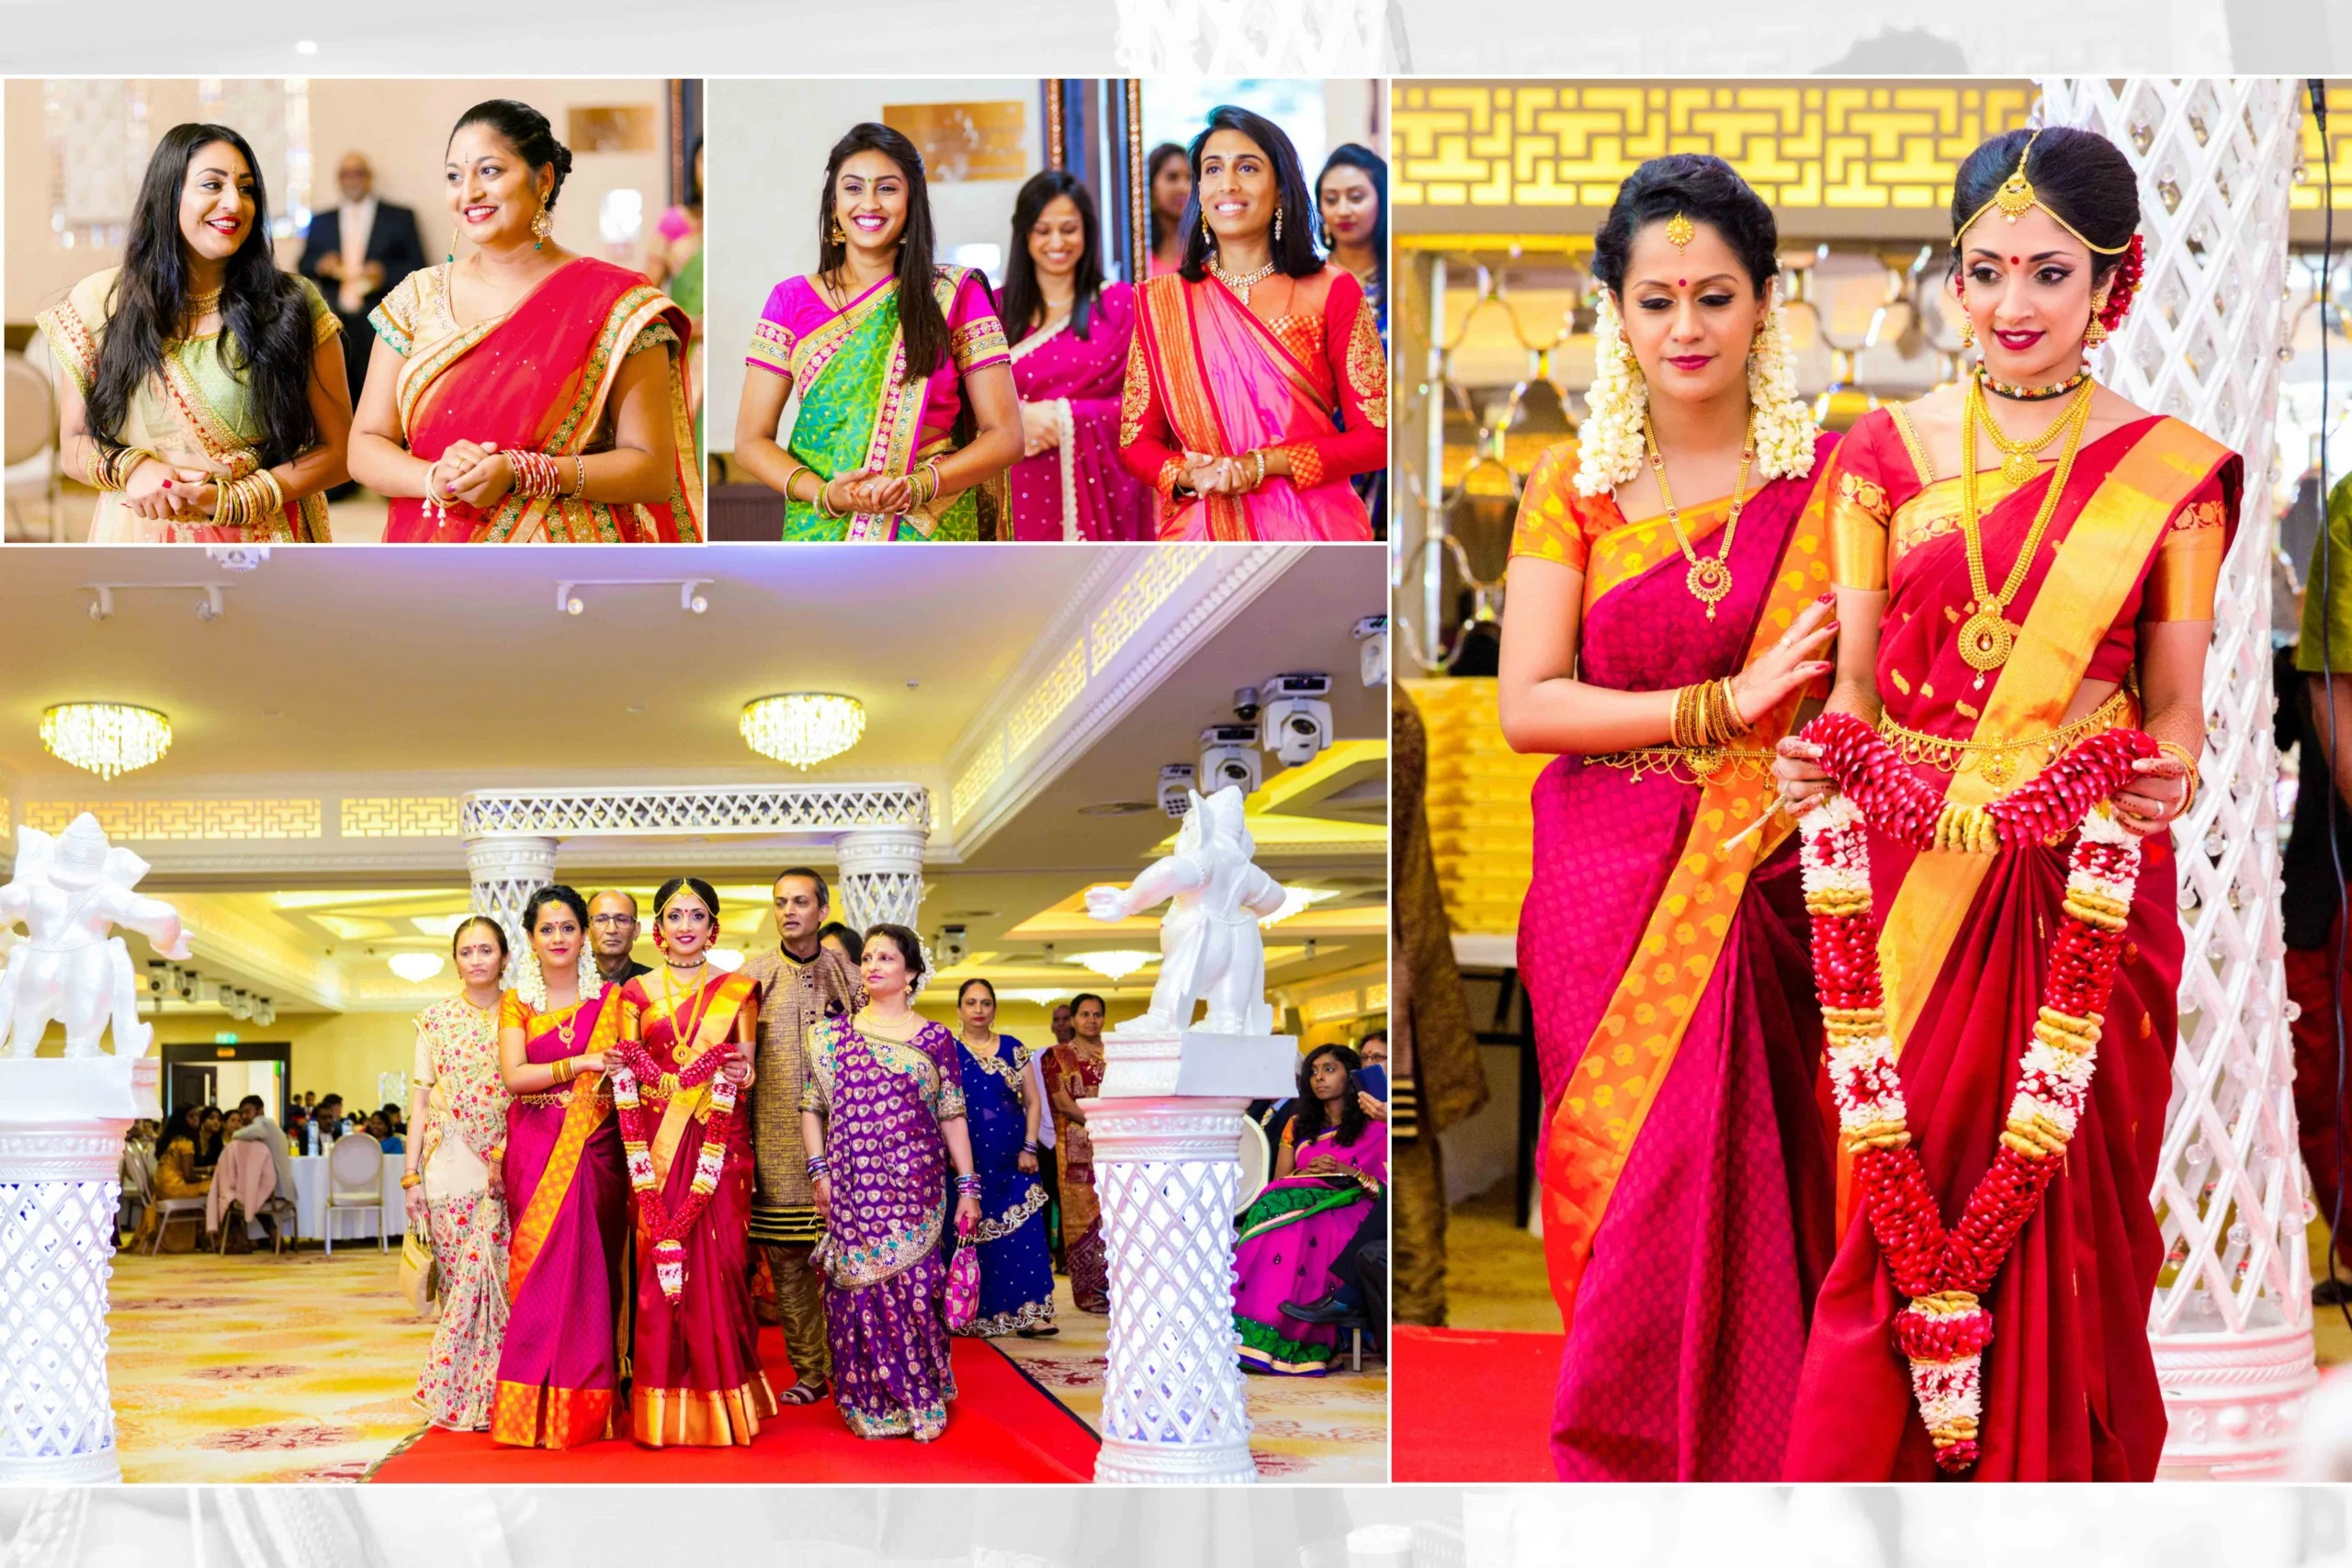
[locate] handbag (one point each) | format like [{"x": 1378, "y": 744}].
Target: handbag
[
  {"x": 962, "y": 1286},
  {"x": 419, "y": 1281}
]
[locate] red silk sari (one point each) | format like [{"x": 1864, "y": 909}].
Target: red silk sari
[
  {"x": 539, "y": 377},
  {"x": 559, "y": 1371},
  {"x": 696, "y": 1378},
  {"x": 2070, "y": 1384},
  {"x": 1688, "y": 1185}
]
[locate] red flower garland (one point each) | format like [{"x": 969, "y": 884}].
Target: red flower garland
[
  {"x": 1943, "y": 1327},
  {"x": 631, "y": 1065}
]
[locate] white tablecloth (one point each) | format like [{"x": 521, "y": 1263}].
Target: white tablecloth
[{"x": 310, "y": 1202}]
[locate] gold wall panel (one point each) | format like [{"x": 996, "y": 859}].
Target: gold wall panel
[
  {"x": 966, "y": 141},
  {"x": 400, "y": 816},
  {"x": 185, "y": 821}
]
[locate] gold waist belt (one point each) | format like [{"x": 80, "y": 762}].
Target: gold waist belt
[
  {"x": 1687, "y": 764},
  {"x": 2001, "y": 761},
  {"x": 553, "y": 1097}
]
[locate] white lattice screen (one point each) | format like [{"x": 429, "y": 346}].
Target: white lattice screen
[
  {"x": 56, "y": 1247},
  {"x": 1253, "y": 38},
  {"x": 2232, "y": 1320}
]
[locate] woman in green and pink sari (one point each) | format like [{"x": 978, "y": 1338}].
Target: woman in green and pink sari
[
  {"x": 559, "y": 1375},
  {"x": 907, "y": 416}
]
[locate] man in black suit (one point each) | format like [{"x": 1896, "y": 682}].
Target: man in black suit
[{"x": 356, "y": 254}]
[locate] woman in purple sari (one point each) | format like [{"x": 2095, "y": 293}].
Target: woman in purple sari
[
  {"x": 559, "y": 1374},
  {"x": 1660, "y": 629},
  {"x": 1070, "y": 331},
  {"x": 882, "y": 1118},
  {"x": 1329, "y": 1172}
]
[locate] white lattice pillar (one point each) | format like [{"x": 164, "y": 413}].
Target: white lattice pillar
[
  {"x": 1167, "y": 1169},
  {"x": 2232, "y": 1321},
  {"x": 61, "y": 1164},
  {"x": 507, "y": 869},
  {"x": 1255, "y": 37},
  {"x": 881, "y": 874}
]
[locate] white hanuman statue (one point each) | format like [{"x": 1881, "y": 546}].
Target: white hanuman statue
[
  {"x": 1209, "y": 944},
  {"x": 71, "y": 892}
]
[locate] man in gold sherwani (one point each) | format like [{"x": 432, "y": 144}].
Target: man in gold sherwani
[{"x": 802, "y": 982}]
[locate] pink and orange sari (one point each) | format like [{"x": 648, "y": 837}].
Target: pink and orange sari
[
  {"x": 559, "y": 1373},
  {"x": 1688, "y": 1187},
  {"x": 540, "y": 377},
  {"x": 2138, "y": 537},
  {"x": 1206, "y": 375}
]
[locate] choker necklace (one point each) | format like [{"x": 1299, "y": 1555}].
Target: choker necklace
[
  {"x": 672, "y": 964},
  {"x": 1241, "y": 284},
  {"x": 202, "y": 305},
  {"x": 2018, "y": 394}
]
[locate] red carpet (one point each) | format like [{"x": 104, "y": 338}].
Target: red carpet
[
  {"x": 1001, "y": 1426},
  {"x": 1466, "y": 1405}
]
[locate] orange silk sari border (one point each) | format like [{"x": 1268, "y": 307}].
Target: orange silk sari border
[
  {"x": 2096, "y": 566},
  {"x": 1615, "y": 1081},
  {"x": 525, "y": 1416},
  {"x": 1164, "y": 322},
  {"x": 582, "y": 1117},
  {"x": 1624, "y": 552}
]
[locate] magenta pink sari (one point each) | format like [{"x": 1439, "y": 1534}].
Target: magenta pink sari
[
  {"x": 559, "y": 1374},
  {"x": 1078, "y": 491},
  {"x": 1292, "y": 1237}
]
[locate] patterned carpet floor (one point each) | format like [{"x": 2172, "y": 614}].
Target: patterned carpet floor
[{"x": 298, "y": 1368}]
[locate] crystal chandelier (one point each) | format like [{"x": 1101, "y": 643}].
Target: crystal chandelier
[
  {"x": 1115, "y": 963},
  {"x": 415, "y": 967},
  {"x": 105, "y": 739},
  {"x": 803, "y": 727}
]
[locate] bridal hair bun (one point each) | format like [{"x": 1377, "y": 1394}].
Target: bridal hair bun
[
  {"x": 2078, "y": 177},
  {"x": 528, "y": 131}
]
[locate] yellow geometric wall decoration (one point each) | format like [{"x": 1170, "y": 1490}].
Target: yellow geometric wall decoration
[
  {"x": 400, "y": 816},
  {"x": 185, "y": 821}
]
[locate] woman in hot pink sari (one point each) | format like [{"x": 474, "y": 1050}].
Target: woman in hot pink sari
[
  {"x": 1257, "y": 386},
  {"x": 1071, "y": 333},
  {"x": 559, "y": 1374},
  {"x": 1661, "y": 627},
  {"x": 525, "y": 393}
]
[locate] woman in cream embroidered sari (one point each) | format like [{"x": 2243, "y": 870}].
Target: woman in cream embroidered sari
[
  {"x": 1999, "y": 605},
  {"x": 524, "y": 394},
  {"x": 203, "y": 392},
  {"x": 906, "y": 412},
  {"x": 1257, "y": 386}
]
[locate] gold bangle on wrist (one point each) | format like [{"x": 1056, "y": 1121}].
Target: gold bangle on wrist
[
  {"x": 411, "y": 1179},
  {"x": 2174, "y": 750}
]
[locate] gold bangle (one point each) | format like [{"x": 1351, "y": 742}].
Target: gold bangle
[
  {"x": 2174, "y": 749},
  {"x": 411, "y": 1179},
  {"x": 791, "y": 474},
  {"x": 562, "y": 1070}
]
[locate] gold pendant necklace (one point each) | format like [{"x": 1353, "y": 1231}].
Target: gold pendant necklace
[
  {"x": 1986, "y": 638},
  {"x": 2020, "y": 460},
  {"x": 1709, "y": 578},
  {"x": 1241, "y": 284}
]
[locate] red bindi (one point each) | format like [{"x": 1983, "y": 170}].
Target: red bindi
[
  {"x": 2013, "y": 261},
  {"x": 1678, "y": 282}
]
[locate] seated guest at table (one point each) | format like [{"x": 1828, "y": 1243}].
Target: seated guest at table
[
  {"x": 1331, "y": 1168},
  {"x": 1374, "y": 1049},
  {"x": 176, "y": 1177},
  {"x": 298, "y": 1126},
  {"x": 330, "y": 1117},
  {"x": 211, "y": 1132},
  {"x": 379, "y": 1128},
  {"x": 259, "y": 1128}
]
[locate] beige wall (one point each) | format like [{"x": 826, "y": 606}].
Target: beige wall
[
  {"x": 401, "y": 126},
  {"x": 330, "y": 1053}
]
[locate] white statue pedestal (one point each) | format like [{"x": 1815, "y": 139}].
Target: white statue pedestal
[
  {"x": 61, "y": 1164},
  {"x": 1167, "y": 1136}
]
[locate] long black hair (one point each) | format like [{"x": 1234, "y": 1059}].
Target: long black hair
[
  {"x": 693, "y": 202},
  {"x": 922, "y": 323},
  {"x": 266, "y": 338},
  {"x": 2078, "y": 174},
  {"x": 1295, "y": 255},
  {"x": 1160, "y": 156},
  {"x": 1702, "y": 188},
  {"x": 1022, "y": 298},
  {"x": 1356, "y": 155},
  {"x": 527, "y": 131},
  {"x": 1307, "y": 1121}
]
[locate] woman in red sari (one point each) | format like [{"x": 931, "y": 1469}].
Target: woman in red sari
[
  {"x": 695, "y": 1376},
  {"x": 525, "y": 393},
  {"x": 558, "y": 1373},
  {"x": 1997, "y": 606},
  {"x": 1257, "y": 386},
  {"x": 1662, "y": 622}
]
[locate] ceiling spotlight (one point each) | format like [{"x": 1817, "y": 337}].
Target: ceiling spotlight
[
  {"x": 803, "y": 727},
  {"x": 575, "y": 606},
  {"x": 1117, "y": 963},
  {"x": 105, "y": 739},
  {"x": 416, "y": 967}
]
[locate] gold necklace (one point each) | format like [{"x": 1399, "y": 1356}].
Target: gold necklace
[
  {"x": 1241, "y": 284},
  {"x": 1987, "y": 637},
  {"x": 1709, "y": 578},
  {"x": 202, "y": 305},
  {"x": 2020, "y": 460}
]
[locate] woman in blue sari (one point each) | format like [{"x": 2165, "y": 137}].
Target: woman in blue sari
[{"x": 1001, "y": 1107}]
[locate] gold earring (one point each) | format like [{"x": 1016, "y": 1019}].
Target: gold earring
[
  {"x": 840, "y": 238},
  {"x": 1207, "y": 238},
  {"x": 1967, "y": 333},
  {"x": 2094, "y": 334},
  {"x": 541, "y": 227}
]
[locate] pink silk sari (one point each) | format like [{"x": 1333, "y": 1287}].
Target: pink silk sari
[
  {"x": 559, "y": 1374},
  {"x": 1230, "y": 387},
  {"x": 1079, "y": 491},
  {"x": 541, "y": 377}
]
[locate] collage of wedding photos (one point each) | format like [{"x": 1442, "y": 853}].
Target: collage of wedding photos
[{"x": 1617, "y": 779}]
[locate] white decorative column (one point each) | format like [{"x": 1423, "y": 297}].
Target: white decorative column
[
  {"x": 1167, "y": 1136},
  {"x": 881, "y": 875},
  {"x": 62, "y": 1123},
  {"x": 507, "y": 869},
  {"x": 2232, "y": 1320},
  {"x": 1254, "y": 37}
]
